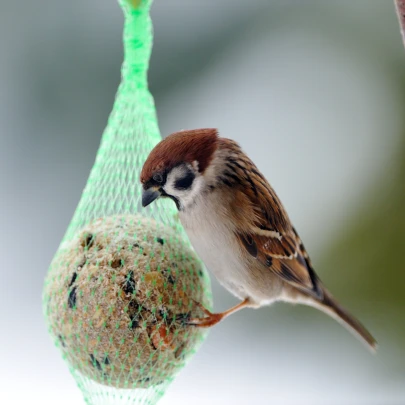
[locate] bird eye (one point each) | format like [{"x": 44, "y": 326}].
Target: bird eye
[{"x": 158, "y": 178}]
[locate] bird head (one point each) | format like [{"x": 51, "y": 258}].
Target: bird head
[{"x": 175, "y": 167}]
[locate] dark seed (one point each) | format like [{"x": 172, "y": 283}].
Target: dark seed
[
  {"x": 61, "y": 340},
  {"x": 106, "y": 361},
  {"x": 95, "y": 362},
  {"x": 133, "y": 313},
  {"x": 72, "y": 298},
  {"x": 167, "y": 273},
  {"x": 200, "y": 273},
  {"x": 134, "y": 323},
  {"x": 117, "y": 263},
  {"x": 161, "y": 241},
  {"x": 179, "y": 351},
  {"x": 129, "y": 284},
  {"x": 88, "y": 243},
  {"x": 74, "y": 277}
]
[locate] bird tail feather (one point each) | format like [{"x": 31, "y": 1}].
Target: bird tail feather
[{"x": 329, "y": 305}]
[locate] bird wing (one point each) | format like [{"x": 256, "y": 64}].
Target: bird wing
[
  {"x": 285, "y": 256},
  {"x": 267, "y": 235},
  {"x": 263, "y": 228}
]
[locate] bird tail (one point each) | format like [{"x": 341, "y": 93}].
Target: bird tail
[{"x": 329, "y": 305}]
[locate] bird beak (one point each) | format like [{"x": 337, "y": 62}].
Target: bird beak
[{"x": 150, "y": 195}]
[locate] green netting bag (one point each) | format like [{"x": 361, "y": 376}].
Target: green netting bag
[{"x": 125, "y": 278}]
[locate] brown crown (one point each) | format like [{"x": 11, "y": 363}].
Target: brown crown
[{"x": 184, "y": 146}]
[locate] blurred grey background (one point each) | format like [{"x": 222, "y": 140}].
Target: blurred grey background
[{"x": 315, "y": 93}]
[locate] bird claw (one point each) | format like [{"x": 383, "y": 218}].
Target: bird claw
[
  {"x": 203, "y": 309},
  {"x": 209, "y": 320},
  {"x": 183, "y": 318},
  {"x": 206, "y": 322}
]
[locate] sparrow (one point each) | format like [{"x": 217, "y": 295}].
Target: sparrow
[{"x": 237, "y": 225}]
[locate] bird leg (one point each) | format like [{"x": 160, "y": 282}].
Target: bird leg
[{"x": 212, "y": 319}]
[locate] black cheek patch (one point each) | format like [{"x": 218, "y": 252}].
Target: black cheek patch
[{"x": 185, "y": 182}]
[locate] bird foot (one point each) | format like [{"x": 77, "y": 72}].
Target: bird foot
[
  {"x": 212, "y": 319},
  {"x": 209, "y": 320},
  {"x": 206, "y": 322}
]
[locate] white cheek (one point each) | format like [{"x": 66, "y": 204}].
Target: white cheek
[
  {"x": 186, "y": 197},
  {"x": 170, "y": 189},
  {"x": 190, "y": 195}
]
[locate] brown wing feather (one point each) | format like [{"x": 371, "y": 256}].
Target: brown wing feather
[
  {"x": 284, "y": 258},
  {"x": 268, "y": 234},
  {"x": 265, "y": 233}
]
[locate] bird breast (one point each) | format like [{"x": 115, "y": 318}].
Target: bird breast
[{"x": 212, "y": 235}]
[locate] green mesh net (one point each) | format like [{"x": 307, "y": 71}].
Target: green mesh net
[{"x": 125, "y": 279}]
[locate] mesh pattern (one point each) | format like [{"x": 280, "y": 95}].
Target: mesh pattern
[{"x": 124, "y": 278}]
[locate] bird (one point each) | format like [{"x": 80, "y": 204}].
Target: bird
[{"x": 237, "y": 225}]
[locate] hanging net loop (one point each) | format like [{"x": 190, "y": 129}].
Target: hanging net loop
[{"x": 125, "y": 279}]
